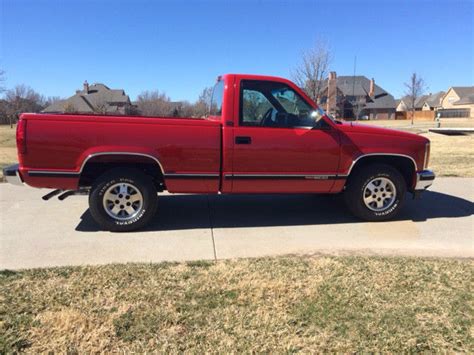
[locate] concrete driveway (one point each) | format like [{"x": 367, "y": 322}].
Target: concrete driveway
[{"x": 35, "y": 233}]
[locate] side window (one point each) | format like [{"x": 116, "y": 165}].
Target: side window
[
  {"x": 255, "y": 107},
  {"x": 273, "y": 104},
  {"x": 291, "y": 101},
  {"x": 216, "y": 100}
]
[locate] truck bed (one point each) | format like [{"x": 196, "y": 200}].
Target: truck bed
[{"x": 61, "y": 144}]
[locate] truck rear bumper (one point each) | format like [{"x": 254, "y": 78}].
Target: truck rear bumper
[
  {"x": 12, "y": 174},
  {"x": 424, "y": 179}
]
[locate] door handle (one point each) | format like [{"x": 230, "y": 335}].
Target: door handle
[{"x": 243, "y": 140}]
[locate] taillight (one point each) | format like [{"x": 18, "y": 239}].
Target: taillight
[{"x": 21, "y": 136}]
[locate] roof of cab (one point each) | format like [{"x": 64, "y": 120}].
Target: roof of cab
[{"x": 267, "y": 78}]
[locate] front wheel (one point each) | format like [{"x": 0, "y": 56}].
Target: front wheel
[
  {"x": 375, "y": 193},
  {"x": 123, "y": 200}
]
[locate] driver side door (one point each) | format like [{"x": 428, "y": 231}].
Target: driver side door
[{"x": 275, "y": 151}]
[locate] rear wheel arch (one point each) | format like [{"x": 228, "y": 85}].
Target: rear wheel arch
[
  {"x": 403, "y": 163},
  {"x": 97, "y": 164}
]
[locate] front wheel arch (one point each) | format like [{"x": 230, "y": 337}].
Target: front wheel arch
[{"x": 405, "y": 165}]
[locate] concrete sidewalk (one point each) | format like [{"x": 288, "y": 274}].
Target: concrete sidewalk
[{"x": 35, "y": 233}]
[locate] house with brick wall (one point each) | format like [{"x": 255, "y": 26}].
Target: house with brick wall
[{"x": 355, "y": 97}]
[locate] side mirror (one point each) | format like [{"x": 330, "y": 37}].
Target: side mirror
[{"x": 316, "y": 115}]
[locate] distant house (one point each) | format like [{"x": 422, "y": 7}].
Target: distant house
[
  {"x": 403, "y": 104},
  {"x": 352, "y": 97},
  {"x": 430, "y": 102},
  {"x": 424, "y": 103},
  {"x": 458, "y": 102},
  {"x": 433, "y": 101},
  {"x": 96, "y": 98}
]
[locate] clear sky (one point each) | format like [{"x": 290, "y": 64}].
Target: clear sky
[{"x": 181, "y": 46}]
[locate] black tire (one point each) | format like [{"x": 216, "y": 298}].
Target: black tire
[
  {"x": 133, "y": 179},
  {"x": 356, "y": 191}
]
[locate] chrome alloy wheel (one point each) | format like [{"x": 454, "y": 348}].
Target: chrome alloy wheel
[
  {"x": 123, "y": 201},
  {"x": 379, "y": 194}
]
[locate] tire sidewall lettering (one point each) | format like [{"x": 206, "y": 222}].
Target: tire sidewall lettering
[{"x": 136, "y": 219}]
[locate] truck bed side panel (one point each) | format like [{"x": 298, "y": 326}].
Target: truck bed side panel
[{"x": 189, "y": 153}]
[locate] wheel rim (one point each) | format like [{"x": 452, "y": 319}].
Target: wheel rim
[
  {"x": 379, "y": 194},
  {"x": 123, "y": 201}
]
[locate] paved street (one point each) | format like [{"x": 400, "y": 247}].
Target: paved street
[{"x": 35, "y": 233}]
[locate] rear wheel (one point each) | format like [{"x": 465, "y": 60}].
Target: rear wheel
[
  {"x": 123, "y": 200},
  {"x": 375, "y": 192}
]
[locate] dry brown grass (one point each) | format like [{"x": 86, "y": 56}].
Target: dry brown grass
[
  {"x": 8, "y": 153},
  {"x": 450, "y": 155},
  {"x": 424, "y": 125},
  {"x": 290, "y": 304}
]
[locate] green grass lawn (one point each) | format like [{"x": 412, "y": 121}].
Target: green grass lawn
[{"x": 288, "y": 304}]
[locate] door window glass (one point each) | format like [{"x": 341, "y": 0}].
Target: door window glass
[
  {"x": 291, "y": 101},
  {"x": 273, "y": 104},
  {"x": 256, "y": 108}
]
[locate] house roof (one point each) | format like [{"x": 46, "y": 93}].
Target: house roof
[
  {"x": 97, "y": 95},
  {"x": 404, "y": 99},
  {"x": 463, "y": 90},
  {"x": 465, "y": 93},
  {"x": 386, "y": 101},
  {"x": 434, "y": 100},
  {"x": 100, "y": 91},
  {"x": 360, "y": 86},
  {"x": 466, "y": 100},
  {"x": 421, "y": 101}
]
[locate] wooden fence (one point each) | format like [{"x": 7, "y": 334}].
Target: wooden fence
[{"x": 419, "y": 115}]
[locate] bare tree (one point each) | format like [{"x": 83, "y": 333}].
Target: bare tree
[
  {"x": 2, "y": 81},
  {"x": 313, "y": 69},
  {"x": 51, "y": 100},
  {"x": 201, "y": 107},
  {"x": 414, "y": 89},
  {"x": 187, "y": 109},
  {"x": 154, "y": 103},
  {"x": 21, "y": 99}
]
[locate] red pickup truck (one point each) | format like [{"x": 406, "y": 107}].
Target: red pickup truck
[{"x": 262, "y": 135}]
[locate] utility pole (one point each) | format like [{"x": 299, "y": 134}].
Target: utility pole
[{"x": 353, "y": 89}]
